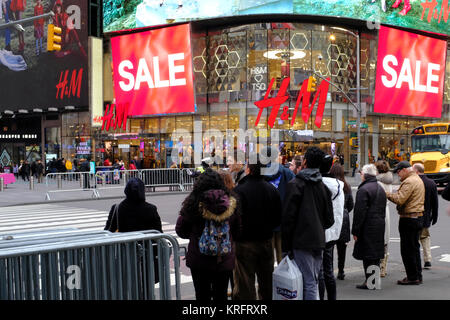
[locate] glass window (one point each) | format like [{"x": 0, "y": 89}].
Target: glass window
[
  {"x": 167, "y": 125},
  {"x": 152, "y": 125}
]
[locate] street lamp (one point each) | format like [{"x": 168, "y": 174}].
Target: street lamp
[{"x": 358, "y": 89}]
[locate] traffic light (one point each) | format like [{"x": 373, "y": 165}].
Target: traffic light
[
  {"x": 354, "y": 142},
  {"x": 311, "y": 84},
  {"x": 54, "y": 38}
]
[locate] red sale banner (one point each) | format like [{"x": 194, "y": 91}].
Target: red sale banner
[
  {"x": 153, "y": 71},
  {"x": 410, "y": 74}
]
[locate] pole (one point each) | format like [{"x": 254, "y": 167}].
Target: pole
[{"x": 358, "y": 99}]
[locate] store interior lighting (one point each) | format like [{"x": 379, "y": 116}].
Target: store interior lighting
[{"x": 283, "y": 54}]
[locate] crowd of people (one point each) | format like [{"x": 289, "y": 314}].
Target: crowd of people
[{"x": 239, "y": 222}]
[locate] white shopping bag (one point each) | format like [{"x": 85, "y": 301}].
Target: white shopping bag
[{"x": 287, "y": 281}]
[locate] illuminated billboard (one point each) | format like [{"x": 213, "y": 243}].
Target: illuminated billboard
[{"x": 427, "y": 15}]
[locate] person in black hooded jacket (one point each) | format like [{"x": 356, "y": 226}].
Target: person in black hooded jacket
[
  {"x": 135, "y": 214},
  {"x": 307, "y": 213}
]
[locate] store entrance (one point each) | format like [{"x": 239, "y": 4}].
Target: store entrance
[{"x": 289, "y": 149}]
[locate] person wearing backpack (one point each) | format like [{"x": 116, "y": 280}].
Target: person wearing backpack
[{"x": 209, "y": 218}]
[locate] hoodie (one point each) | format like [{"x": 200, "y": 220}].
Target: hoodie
[
  {"x": 336, "y": 188},
  {"x": 134, "y": 213},
  {"x": 307, "y": 213},
  {"x": 214, "y": 205}
]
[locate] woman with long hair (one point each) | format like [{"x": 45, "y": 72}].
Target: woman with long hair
[
  {"x": 209, "y": 219},
  {"x": 337, "y": 171}
]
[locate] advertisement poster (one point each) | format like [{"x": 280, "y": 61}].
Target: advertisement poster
[
  {"x": 428, "y": 15},
  {"x": 153, "y": 72},
  {"x": 30, "y": 76},
  {"x": 410, "y": 74}
]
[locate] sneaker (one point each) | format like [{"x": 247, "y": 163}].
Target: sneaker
[
  {"x": 407, "y": 282},
  {"x": 427, "y": 265},
  {"x": 341, "y": 275}
]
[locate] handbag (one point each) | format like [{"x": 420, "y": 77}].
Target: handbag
[{"x": 116, "y": 215}]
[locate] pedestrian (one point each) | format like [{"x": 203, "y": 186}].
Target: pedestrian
[
  {"x": 430, "y": 215},
  {"x": 209, "y": 210},
  {"x": 135, "y": 214},
  {"x": 39, "y": 26},
  {"x": 26, "y": 171},
  {"x": 137, "y": 163},
  {"x": 337, "y": 171},
  {"x": 409, "y": 199},
  {"x": 69, "y": 166},
  {"x": 385, "y": 179},
  {"x": 279, "y": 180},
  {"x": 33, "y": 169},
  {"x": 5, "y": 9},
  {"x": 260, "y": 205},
  {"x": 307, "y": 214},
  {"x": 85, "y": 169},
  {"x": 369, "y": 222},
  {"x": 16, "y": 170},
  {"x": 39, "y": 171},
  {"x": 327, "y": 280}
]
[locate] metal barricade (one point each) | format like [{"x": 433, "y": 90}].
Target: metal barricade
[
  {"x": 71, "y": 181},
  {"x": 115, "y": 178},
  {"x": 162, "y": 178},
  {"x": 187, "y": 179},
  {"x": 119, "y": 266}
]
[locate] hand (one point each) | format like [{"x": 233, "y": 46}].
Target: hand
[{"x": 355, "y": 238}]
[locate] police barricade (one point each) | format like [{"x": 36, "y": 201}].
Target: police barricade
[
  {"x": 187, "y": 178},
  {"x": 120, "y": 266},
  {"x": 108, "y": 179},
  {"x": 70, "y": 181},
  {"x": 162, "y": 178}
]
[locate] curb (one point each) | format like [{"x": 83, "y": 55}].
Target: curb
[{"x": 93, "y": 199}]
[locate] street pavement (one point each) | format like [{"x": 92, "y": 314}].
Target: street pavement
[{"x": 92, "y": 215}]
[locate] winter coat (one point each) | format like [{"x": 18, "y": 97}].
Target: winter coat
[
  {"x": 218, "y": 206},
  {"x": 410, "y": 197},
  {"x": 348, "y": 207},
  {"x": 369, "y": 220},
  {"x": 280, "y": 180},
  {"x": 308, "y": 212},
  {"x": 386, "y": 180},
  {"x": 135, "y": 213},
  {"x": 431, "y": 204},
  {"x": 336, "y": 188},
  {"x": 260, "y": 206}
]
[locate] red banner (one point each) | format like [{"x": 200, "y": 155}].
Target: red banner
[
  {"x": 153, "y": 71},
  {"x": 410, "y": 74}
]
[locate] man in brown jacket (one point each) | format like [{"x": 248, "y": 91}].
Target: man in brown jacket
[{"x": 409, "y": 199}]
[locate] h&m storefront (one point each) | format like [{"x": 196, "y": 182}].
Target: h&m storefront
[{"x": 234, "y": 66}]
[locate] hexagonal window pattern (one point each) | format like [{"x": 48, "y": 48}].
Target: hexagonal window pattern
[{"x": 299, "y": 41}]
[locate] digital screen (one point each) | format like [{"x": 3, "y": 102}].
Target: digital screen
[{"x": 424, "y": 15}]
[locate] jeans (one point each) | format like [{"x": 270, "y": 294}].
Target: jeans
[
  {"x": 253, "y": 258},
  {"x": 210, "y": 285},
  {"x": 341, "y": 250},
  {"x": 410, "y": 229},
  {"x": 7, "y": 30},
  {"x": 326, "y": 275},
  {"x": 309, "y": 263}
]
